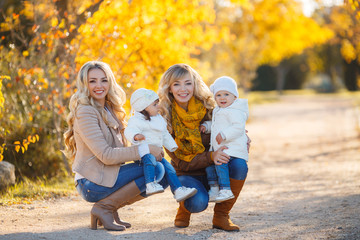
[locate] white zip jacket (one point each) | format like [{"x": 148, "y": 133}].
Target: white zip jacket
[
  {"x": 230, "y": 123},
  {"x": 155, "y": 131}
]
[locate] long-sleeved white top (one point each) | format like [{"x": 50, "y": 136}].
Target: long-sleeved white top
[
  {"x": 155, "y": 131},
  {"x": 230, "y": 123}
]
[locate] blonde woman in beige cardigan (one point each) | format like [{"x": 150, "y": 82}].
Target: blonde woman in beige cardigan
[{"x": 96, "y": 144}]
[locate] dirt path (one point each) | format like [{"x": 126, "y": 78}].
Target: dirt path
[{"x": 303, "y": 183}]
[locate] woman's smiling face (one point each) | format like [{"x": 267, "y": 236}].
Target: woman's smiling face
[
  {"x": 98, "y": 85},
  {"x": 183, "y": 90}
]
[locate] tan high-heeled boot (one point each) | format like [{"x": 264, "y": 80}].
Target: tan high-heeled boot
[
  {"x": 221, "y": 219},
  {"x": 104, "y": 209},
  {"x": 182, "y": 219},
  {"x": 116, "y": 214}
]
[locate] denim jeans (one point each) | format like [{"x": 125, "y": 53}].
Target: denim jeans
[
  {"x": 170, "y": 175},
  {"x": 219, "y": 174},
  {"x": 93, "y": 192},
  {"x": 149, "y": 162},
  {"x": 238, "y": 170},
  {"x": 211, "y": 175}
]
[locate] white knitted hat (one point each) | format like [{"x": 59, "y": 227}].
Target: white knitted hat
[
  {"x": 142, "y": 98},
  {"x": 224, "y": 83}
]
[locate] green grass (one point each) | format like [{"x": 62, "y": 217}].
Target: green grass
[{"x": 42, "y": 189}]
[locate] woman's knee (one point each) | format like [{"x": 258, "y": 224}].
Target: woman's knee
[
  {"x": 198, "y": 202},
  {"x": 238, "y": 169}
]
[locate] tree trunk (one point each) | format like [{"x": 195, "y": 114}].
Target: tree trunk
[
  {"x": 281, "y": 71},
  {"x": 350, "y": 75}
]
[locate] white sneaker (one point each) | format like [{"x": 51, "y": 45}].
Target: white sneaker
[
  {"x": 183, "y": 193},
  {"x": 213, "y": 193},
  {"x": 224, "y": 194},
  {"x": 153, "y": 187}
]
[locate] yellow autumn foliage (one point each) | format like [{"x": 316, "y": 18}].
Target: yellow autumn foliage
[
  {"x": 261, "y": 32},
  {"x": 140, "y": 39},
  {"x": 2, "y": 100},
  {"x": 284, "y": 31}
]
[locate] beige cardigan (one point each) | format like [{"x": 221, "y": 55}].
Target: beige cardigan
[{"x": 99, "y": 152}]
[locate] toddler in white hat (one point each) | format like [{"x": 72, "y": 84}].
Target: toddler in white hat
[
  {"x": 227, "y": 128},
  {"x": 149, "y": 127}
]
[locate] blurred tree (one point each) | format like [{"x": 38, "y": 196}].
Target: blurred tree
[
  {"x": 351, "y": 75},
  {"x": 297, "y": 73},
  {"x": 264, "y": 32},
  {"x": 37, "y": 56},
  {"x": 265, "y": 79},
  {"x": 266, "y": 75},
  {"x": 156, "y": 35},
  {"x": 340, "y": 56}
]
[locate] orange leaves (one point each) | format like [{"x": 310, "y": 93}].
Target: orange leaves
[
  {"x": 344, "y": 21},
  {"x": 25, "y": 53},
  {"x": 2, "y": 100},
  {"x": 348, "y": 51},
  {"x": 2, "y": 148},
  {"x": 18, "y": 146},
  {"x": 33, "y": 139},
  {"x": 15, "y": 16},
  {"x": 25, "y": 143},
  {"x": 355, "y": 7}
]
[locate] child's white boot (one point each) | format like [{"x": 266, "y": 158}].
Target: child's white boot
[
  {"x": 183, "y": 193},
  {"x": 213, "y": 192},
  {"x": 224, "y": 194},
  {"x": 153, "y": 187}
]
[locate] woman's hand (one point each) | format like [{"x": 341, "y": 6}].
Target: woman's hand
[
  {"x": 157, "y": 152},
  {"x": 248, "y": 141},
  {"x": 219, "y": 157}
]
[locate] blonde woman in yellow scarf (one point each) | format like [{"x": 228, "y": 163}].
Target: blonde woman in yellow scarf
[{"x": 186, "y": 102}]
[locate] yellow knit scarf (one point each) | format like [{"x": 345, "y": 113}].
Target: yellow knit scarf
[{"x": 186, "y": 128}]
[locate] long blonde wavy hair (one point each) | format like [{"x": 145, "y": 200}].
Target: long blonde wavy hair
[
  {"x": 115, "y": 99},
  {"x": 201, "y": 91}
]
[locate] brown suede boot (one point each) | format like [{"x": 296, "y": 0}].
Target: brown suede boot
[
  {"x": 182, "y": 219},
  {"x": 221, "y": 219},
  {"x": 104, "y": 209}
]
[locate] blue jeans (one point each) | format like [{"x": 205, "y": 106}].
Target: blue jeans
[
  {"x": 219, "y": 174},
  {"x": 149, "y": 162},
  {"x": 238, "y": 170},
  {"x": 170, "y": 175},
  {"x": 93, "y": 192}
]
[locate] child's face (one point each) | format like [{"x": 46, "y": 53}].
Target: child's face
[
  {"x": 224, "y": 98},
  {"x": 153, "y": 108}
]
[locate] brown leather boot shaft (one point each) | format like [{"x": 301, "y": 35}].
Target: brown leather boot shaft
[{"x": 221, "y": 219}]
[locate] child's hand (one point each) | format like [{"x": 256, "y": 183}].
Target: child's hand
[
  {"x": 219, "y": 138},
  {"x": 139, "y": 137},
  {"x": 202, "y": 128},
  {"x": 248, "y": 141}
]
